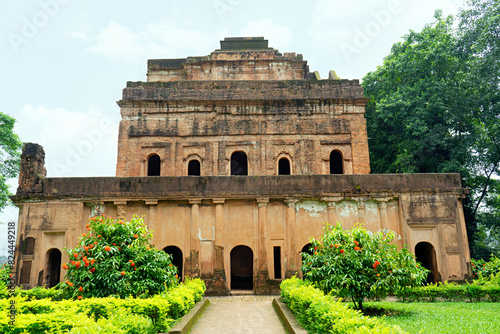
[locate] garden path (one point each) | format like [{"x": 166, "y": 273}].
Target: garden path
[{"x": 239, "y": 314}]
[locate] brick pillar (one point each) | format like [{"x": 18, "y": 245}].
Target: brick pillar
[
  {"x": 32, "y": 170},
  {"x": 121, "y": 209}
]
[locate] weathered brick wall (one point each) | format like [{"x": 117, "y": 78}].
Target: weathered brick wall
[{"x": 300, "y": 120}]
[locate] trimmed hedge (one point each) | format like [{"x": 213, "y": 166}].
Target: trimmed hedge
[
  {"x": 102, "y": 315},
  {"x": 320, "y": 313},
  {"x": 450, "y": 292}
]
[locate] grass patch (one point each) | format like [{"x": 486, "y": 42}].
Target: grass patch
[{"x": 446, "y": 317}]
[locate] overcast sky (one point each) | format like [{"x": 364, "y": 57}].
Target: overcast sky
[{"x": 64, "y": 63}]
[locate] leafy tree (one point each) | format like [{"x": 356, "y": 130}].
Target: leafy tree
[
  {"x": 10, "y": 153},
  {"x": 358, "y": 264},
  {"x": 433, "y": 110},
  {"x": 116, "y": 258}
]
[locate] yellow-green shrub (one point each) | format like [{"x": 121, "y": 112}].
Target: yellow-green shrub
[{"x": 323, "y": 314}]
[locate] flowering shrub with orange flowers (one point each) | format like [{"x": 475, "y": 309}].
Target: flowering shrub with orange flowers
[
  {"x": 358, "y": 264},
  {"x": 116, "y": 258}
]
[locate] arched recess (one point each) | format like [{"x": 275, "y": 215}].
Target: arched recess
[
  {"x": 336, "y": 163},
  {"x": 28, "y": 246},
  {"x": 177, "y": 258},
  {"x": 194, "y": 168},
  {"x": 239, "y": 163},
  {"x": 53, "y": 269},
  {"x": 426, "y": 255},
  {"x": 242, "y": 268},
  {"x": 284, "y": 167},
  {"x": 154, "y": 165}
]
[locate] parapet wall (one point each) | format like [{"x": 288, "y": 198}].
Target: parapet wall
[{"x": 295, "y": 186}]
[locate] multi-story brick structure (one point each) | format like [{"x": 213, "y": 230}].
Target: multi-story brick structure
[{"x": 235, "y": 160}]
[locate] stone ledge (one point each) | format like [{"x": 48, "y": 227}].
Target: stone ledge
[
  {"x": 183, "y": 326},
  {"x": 289, "y": 320}
]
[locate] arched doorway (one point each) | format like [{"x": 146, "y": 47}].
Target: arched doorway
[
  {"x": 242, "y": 268},
  {"x": 336, "y": 163},
  {"x": 306, "y": 249},
  {"x": 53, "y": 267},
  {"x": 426, "y": 255},
  {"x": 239, "y": 163},
  {"x": 154, "y": 165},
  {"x": 177, "y": 258},
  {"x": 284, "y": 167},
  {"x": 194, "y": 168}
]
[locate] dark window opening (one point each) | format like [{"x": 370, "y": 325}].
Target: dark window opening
[
  {"x": 242, "y": 268},
  {"x": 239, "y": 163},
  {"x": 25, "y": 273},
  {"x": 177, "y": 259},
  {"x": 277, "y": 262},
  {"x": 283, "y": 166},
  {"x": 194, "y": 168},
  {"x": 426, "y": 255},
  {"x": 336, "y": 163},
  {"x": 154, "y": 165},
  {"x": 54, "y": 268}
]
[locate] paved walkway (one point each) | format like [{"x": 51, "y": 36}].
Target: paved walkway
[{"x": 239, "y": 314}]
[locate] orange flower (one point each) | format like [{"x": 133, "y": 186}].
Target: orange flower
[
  {"x": 113, "y": 244},
  {"x": 176, "y": 276},
  {"x": 316, "y": 248},
  {"x": 375, "y": 265},
  {"x": 170, "y": 265},
  {"x": 80, "y": 297},
  {"x": 92, "y": 261},
  {"x": 70, "y": 284},
  {"x": 86, "y": 248},
  {"x": 357, "y": 243},
  {"x": 148, "y": 248},
  {"x": 123, "y": 273},
  {"x": 315, "y": 253},
  {"x": 107, "y": 248},
  {"x": 92, "y": 270},
  {"x": 67, "y": 282},
  {"x": 91, "y": 246},
  {"x": 378, "y": 275},
  {"x": 357, "y": 248},
  {"x": 132, "y": 264},
  {"x": 80, "y": 288},
  {"x": 75, "y": 255},
  {"x": 99, "y": 236},
  {"x": 337, "y": 245},
  {"x": 95, "y": 242},
  {"x": 84, "y": 235},
  {"x": 136, "y": 236},
  {"x": 341, "y": 251}
]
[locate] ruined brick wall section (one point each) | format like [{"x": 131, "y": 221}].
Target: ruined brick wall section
[
  {"x": 32, "y": 170},
  {"x": 360, "y": 152}
]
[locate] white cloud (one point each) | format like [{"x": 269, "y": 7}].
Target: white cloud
[
  {"x": 75, "y": 143},
  {"x": 361, "y": 33},
  {"x": 158, "y": 40},
  {"x": 279, "y": 37}
]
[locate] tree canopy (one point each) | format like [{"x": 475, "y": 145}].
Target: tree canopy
[
  {"x": 435, "y": 108},
  {"x": 10, "y": 153}
]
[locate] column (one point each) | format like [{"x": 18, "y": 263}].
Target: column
[
  {"x": 292, "y": 262},
  {"x": 262, "y": 252},
  {"x": 151, "y": 223},
  {"x": 331, "y": 203}
]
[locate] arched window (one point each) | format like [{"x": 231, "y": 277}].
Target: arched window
[
  {"x": 194, "y": 168},
  {"x": 28, "y": 246},
  {"x": 154, "y": 165},
  {"x": 239, "y": 163},
  {"x": 336, "y": 163},
  {"x": 284, "y": 167}
]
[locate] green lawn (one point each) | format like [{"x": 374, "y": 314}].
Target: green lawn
[{"x": 444, "y": 317}]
